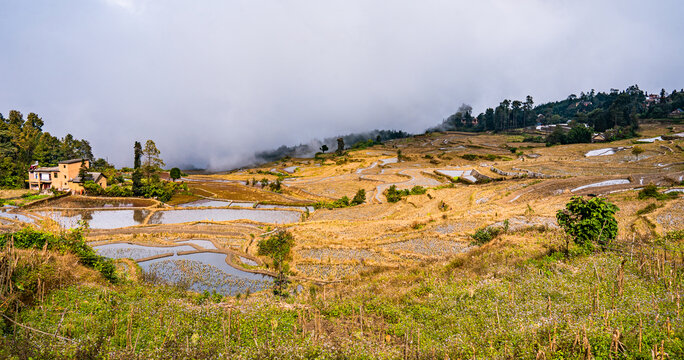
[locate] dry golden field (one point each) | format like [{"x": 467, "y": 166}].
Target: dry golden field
[{"x": 344, "y": 242}]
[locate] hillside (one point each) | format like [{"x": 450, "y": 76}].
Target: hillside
[{"x": 415, "y": 278}]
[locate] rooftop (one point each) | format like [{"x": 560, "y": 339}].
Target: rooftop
[
  {"x": 94, "y": 175},
  {"x": 71, "y": 161},
  {"x": 46, "y": 169}
]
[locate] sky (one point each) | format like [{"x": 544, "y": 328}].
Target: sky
[{"x": 214, "y": 81}]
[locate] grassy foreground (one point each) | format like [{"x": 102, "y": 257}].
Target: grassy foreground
[{"x": 518, "y": 296}]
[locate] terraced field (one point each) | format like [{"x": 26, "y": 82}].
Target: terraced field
[{"x": 524, "y": 192}]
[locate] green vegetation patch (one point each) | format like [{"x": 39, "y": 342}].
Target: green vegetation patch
[
  {"x": 651, "y": 191},
  {"x": 393, "y": 195},
  {"x": 71, "y": 241}
]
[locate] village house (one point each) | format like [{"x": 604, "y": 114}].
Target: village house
[
  {"x": 63, "y": 177},
  {"x": 652, "y": 99},
  {"x": 677, "y": 113}
]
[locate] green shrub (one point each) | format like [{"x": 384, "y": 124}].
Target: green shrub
[
  {"x": 393, "y": 195},
  {"x": 343, "y": 202},
  {"x": 589, "y": 221},
  {"x": 118, "y": 191},
  {"x": 651, "y": 191},
  {"x": 418, "y": 190},
  {"x": 278, "y": 247},
  {"x": 91, "y": 188},
  {"x": 485, "y": 235},
  {"x": 359, "y": 198}
]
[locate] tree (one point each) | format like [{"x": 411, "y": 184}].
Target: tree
[
  {"x": 175, "y": 174},
  {"x": 636, "y": 151},
  {"x": 324, "y": 148},
  {"x": 579, "y": 133},
  {"x": 152, "y": 162},
  {"x": 589, "y": 221},
  {"x": 137, "y": 154},
  {"x": 340, "y": 146},
  {"x": 528, "y": 113},
  {"x": 278, "y": 247},
  {"x": 359, "y": 198},
  {"x": 83, "y": 172},
  {"x": 490, "y": 122},
  {"x": 557, "y": 136},
  {"x": 136, "y": 176}
]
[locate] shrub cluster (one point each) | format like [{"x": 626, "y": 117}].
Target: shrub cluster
[
  {"x": 344, "y": 201},
  {"x": 393, "y": 195},
  {"x": 651, "y": 191},
  {"x": 488, "y": 157},
  {"x": 160, "y": 190},
  {"x": 485, "y": 235}
]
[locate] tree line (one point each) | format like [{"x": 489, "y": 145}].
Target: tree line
[
  {"x": 600, "y": 111},
  {"x": 23, "y": 142}
]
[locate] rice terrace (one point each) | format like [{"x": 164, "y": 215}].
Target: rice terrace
[{"x": 521, "y": 230}]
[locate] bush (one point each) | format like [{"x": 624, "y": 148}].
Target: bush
[
  {"x": 359, "y": 198},
  {"x": 393, "y": 195},
  {"x": 175, "y": 174},
  {"x": 485, "y": 235},
  {"x": 418, "y": 190},
  {"x": 91, "y": 188},
  {"x": 278, "y": 247},
  {"x": 72, "y": 241},
  {"x": 651, "y": 191},
  {"x": 161, "y": 190},
  {"x": 343, "y": 202},
  {"x": 589, "y": 221},
  {"x": 579, "y": 133},
  {"x": 118, "y": 191}
]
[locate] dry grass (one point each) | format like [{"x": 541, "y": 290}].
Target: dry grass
[
  {"x": 14, "y": 193},
  {"x": 446, "y": 214}
]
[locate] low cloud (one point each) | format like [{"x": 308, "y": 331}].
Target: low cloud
[{"x": 213, "y": 82}]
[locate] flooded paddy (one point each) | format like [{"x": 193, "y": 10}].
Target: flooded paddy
[
  {"x": 455, "y": 174},
  {"x": 604, "y": 151},
  {"x": 205, "y": 272},
  {"x": 286, "y": 207},
  {"x": 191, "y": 215},
  {"x": 602, "y": 183},
  {"x": 135, "y": 252},
  {"x": 247, "y": 261},
  {"x": 79, "y": 202},
  {"x": 113, "y": 219},
  {"x": 97, "y": 219},
  {"x": 15, "y": 216},
  {"x": 204, "y": 244},
  {"x": 242, "y": 204},
  {"x": 207, "y": 203},
  {"x": 198, "y": 271}
]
